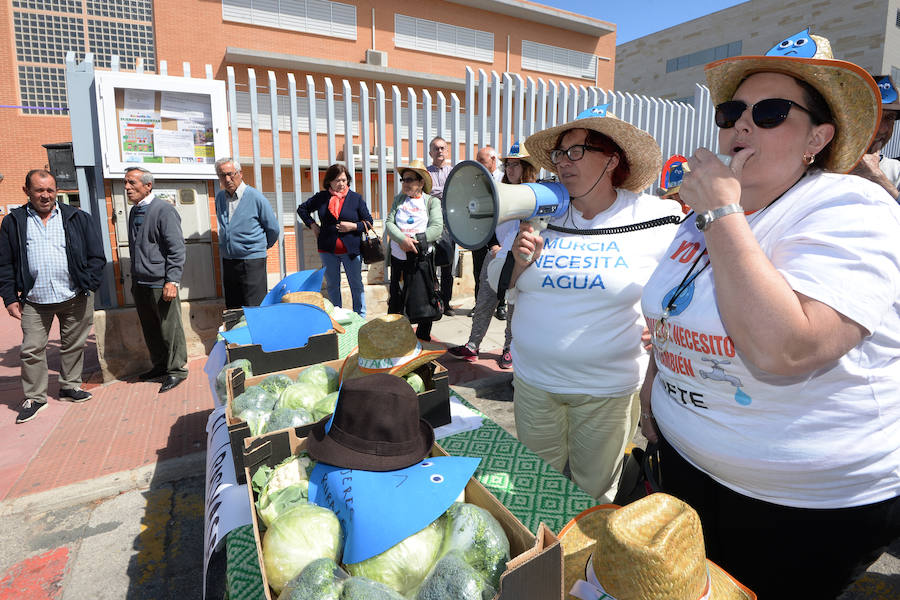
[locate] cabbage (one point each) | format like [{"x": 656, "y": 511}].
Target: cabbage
[
  {"x": 296, "y": 538},
  {"x": 301, "y": 395},
  {"x": 360, "y": 588},
  {"x": 415, "y": 380},
  {"x": 256, "y": 419},
  {"x": 222, "y": 377},
  {"x": 404, "y": 566},
  {"x": 322, "y": 579},
  {"x": 325, "y": 406},
  {"x": 283, "y": 418},
  {"x": 480, "y": 538},
  {"x": 275, "y": 383},
  {"x": 282, "y": 501},
  {"x": 253, "y": 397},
  {"x": 321, "y": 376}
]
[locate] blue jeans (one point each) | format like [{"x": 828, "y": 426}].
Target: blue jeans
[{"x": 353, "y": 269}]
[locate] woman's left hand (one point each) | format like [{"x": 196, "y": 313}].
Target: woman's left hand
[
  {"x": 710, "y": 183},
  {"x": 345, "y": 226}
]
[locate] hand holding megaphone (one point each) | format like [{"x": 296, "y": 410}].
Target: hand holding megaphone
[{"x": 528, "y": 243}]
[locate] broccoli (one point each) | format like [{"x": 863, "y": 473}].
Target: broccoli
[
  {"x": 361, "y": 588},
  {"x": 275, "y": 383},
  {"x": 480, "y": 537},
  {"x": 321, "y": 579},
  {"x": 452, "y": 578}
]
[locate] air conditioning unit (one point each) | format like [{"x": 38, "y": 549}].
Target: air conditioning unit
[
  {"x": 357, "y": 152},
  {"x": 388, "y": 153},
  {"x": 376, "y": 58}
]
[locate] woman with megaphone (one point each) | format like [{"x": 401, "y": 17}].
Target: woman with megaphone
[{"x": 576, "y": 330}]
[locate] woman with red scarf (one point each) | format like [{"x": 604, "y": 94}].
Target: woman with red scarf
[{"x": 342, "y": 218}]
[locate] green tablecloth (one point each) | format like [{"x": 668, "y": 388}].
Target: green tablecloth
[{"x": 531, "y": 490}]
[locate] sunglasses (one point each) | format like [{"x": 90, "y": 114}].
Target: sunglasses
[
  {"x": 410, "y": 179},
  {"x": 767, "y": 113}
]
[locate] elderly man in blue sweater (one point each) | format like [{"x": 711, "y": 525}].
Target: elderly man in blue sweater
[{"x": 247, "y": 228}]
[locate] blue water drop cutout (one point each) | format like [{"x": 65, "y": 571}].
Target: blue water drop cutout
[{"x": 741, "y": 398}]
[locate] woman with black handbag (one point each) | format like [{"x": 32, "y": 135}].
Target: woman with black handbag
[
  {"x": 344, "y": 216},
  {"x": 414, "y": 215}
]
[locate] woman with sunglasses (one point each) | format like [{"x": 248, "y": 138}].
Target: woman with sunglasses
[
  {"x": 576, "y": 329},
  {"x": 775, "y": 386},
  {"x": 414, "y": 212},
  {"x": 343, "y": 215}
]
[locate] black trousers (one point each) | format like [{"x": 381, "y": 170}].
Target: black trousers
[
  {"x": 161, "y": 324},
  {"x": 244, "y": 281},
  {"x": 780, "y": 551},
  {"x": 395, "y": 297}
]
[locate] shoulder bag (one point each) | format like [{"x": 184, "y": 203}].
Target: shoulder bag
[{"x": 370, "y": 246}]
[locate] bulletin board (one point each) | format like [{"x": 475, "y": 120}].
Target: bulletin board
[{"x": 173, "y": 126}]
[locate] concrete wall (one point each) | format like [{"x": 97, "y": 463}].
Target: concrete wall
[{"x": 856, "y": 30}]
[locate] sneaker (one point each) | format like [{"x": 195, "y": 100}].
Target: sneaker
[
  {"x": 505, "y": 361},
  {"x": 29, "y": 410},
  {"x": 501, "y": 312},
  {"x": 75, "y": 395},
  {"x": 467, "y": 352}
]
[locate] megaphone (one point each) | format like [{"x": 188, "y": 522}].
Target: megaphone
[{"x": 475, "y": 203}]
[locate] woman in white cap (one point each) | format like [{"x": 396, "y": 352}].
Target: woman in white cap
[
  {"x": 516, "y": 169},
  {"x": 413, "y": 212},
  {"x": 576, "y": 331},
  {"x": 775, "y": 389}
]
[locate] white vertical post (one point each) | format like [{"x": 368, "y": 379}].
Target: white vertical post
[
  {"x": 470, "y": 113},
  {"x": 454, "y": 127},
  {"x": 330, "y": 121},
  {"x": 411, "y": 102},
  {"x": 232, "y": 112},
  {"x": 426, "y": 124},
  {"x": 541, "y": 102},
  {"x": 441, "y": 115},
  {"x": 382, "y": 149},
  {"x": 573, "y": 101},
  {"x": 482, "y": 108},
  {"x": 365, "y": 143},
  {"x": 349, "y": 157},
  {"x": 520, "y": 106},
  {"x": 507, "y": 110},
  {"x": 276, "y": 170},
  {"x": 295, "y": 170},
  {"x": 254, "y": 128},
  {"x": 398, "y": 125},
  {"x": 313, "y": 133},
  {"x": 186, "y": 69},
  {"x": 496, "y": 142},
  {"x": 163, "y": 66},
  {"x": 552, "y": 115},
  {"x": 529, "y": 107},
  {"x": 563, "y": 103},
  {"x": 583, "y": 99}
]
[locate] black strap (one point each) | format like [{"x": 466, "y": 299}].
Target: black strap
[{"x": 669, "y": 220}]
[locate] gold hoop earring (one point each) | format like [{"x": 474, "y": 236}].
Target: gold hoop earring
[{"x": 809, "y": 158}]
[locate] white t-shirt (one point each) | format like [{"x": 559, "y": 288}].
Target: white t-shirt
[
  {"x": 577, "y": 324},
  {"x": 828, "y": 439},
  {"x": 412, "y": 218}
]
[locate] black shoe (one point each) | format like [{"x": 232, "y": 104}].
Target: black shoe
[
  {"x": 170, "y": 383},
  {"x": 151, "y": 375},
  {"x": 30, "y": 410},
  {"x": 501, "y": 312},
  {"x": 449, "y": 312},
  {"x": 75, "y": 396}
]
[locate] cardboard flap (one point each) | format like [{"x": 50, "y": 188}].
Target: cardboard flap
[{"x": 543, "y": 576}]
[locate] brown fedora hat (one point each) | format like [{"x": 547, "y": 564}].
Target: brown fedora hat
[{"x": 376, "y": 427}]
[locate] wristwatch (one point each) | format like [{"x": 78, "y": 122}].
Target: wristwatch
[{"x": 705, "y": 219}]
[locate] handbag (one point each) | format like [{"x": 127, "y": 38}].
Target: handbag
[
  {"x": 370, "y": 246},
  {"x": 421, "y": 291},
  {"x": 443, "y": 250},
  {"x": 640, "y": 475}
]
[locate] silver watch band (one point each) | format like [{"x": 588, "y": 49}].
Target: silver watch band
[{"x": 705, "y": 219}]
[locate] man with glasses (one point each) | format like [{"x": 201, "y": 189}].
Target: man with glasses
[
  {"x": 247, "y": 228},
  {"x": 439, "y": 169},
  {"x": 883, "y": 170},
  {"x": 51, "y": 260}
]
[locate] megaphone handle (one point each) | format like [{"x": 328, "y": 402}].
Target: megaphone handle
[{"x": 538, "y": 225}]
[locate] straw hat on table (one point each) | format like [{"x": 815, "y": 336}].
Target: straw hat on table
[
  {"x": 315, "y": 299},
  {"x": 388, "y": 344}
]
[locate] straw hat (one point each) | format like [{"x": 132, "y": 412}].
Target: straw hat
[
  {"x": 889, "y": 97},
  {"x": 849, "y": 91},
  {"x": 518, "y": 151},
  {"x": 314, "y": 298},
  {"x": 641, "y": 150},
  {"x": 387, "y": 344},
  {"x": 419, "y": 167},
  {"x": 651, "y": 549}
]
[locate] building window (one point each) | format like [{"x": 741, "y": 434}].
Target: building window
[
  {"x": 319, "y": 17},
  {"x": 430, "y": 36},
  {"x": 559, "y": 61},
  {"x": 704, "y": 56},
  {"x": 46, "y": 30}
]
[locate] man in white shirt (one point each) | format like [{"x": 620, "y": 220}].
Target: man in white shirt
[{"x": 883, "y": 170}]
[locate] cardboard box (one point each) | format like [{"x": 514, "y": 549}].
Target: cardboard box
[
  {"x": 434, "y": 403},
  {"x": 318, "y": 348},
  {"x": 534, "y": 571}
]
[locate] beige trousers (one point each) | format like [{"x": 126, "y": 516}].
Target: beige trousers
[
  {"x": 76, "y": 316},
  {"x": 588, "y": 432}
]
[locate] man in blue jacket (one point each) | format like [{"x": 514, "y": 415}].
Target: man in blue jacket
[
  {"x": 157, "y": 263},
  {"x": 51, "y": 260},
  {"x": 247, "y": 228}
]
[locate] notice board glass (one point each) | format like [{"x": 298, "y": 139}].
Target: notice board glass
[{"x": 173, "y": 126}]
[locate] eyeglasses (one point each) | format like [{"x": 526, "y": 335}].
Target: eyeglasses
[
  {"x": 767, "y": 113},
  {"x": 410, "y": 179},
  {"x": 224, "y": 175},
  {"x": 574, "y": 153}
]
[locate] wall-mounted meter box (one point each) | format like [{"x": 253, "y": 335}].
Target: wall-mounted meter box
[{"x": 175, "y": 127}]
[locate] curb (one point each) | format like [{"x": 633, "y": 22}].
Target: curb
[{"x": 83, "y": 492}]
